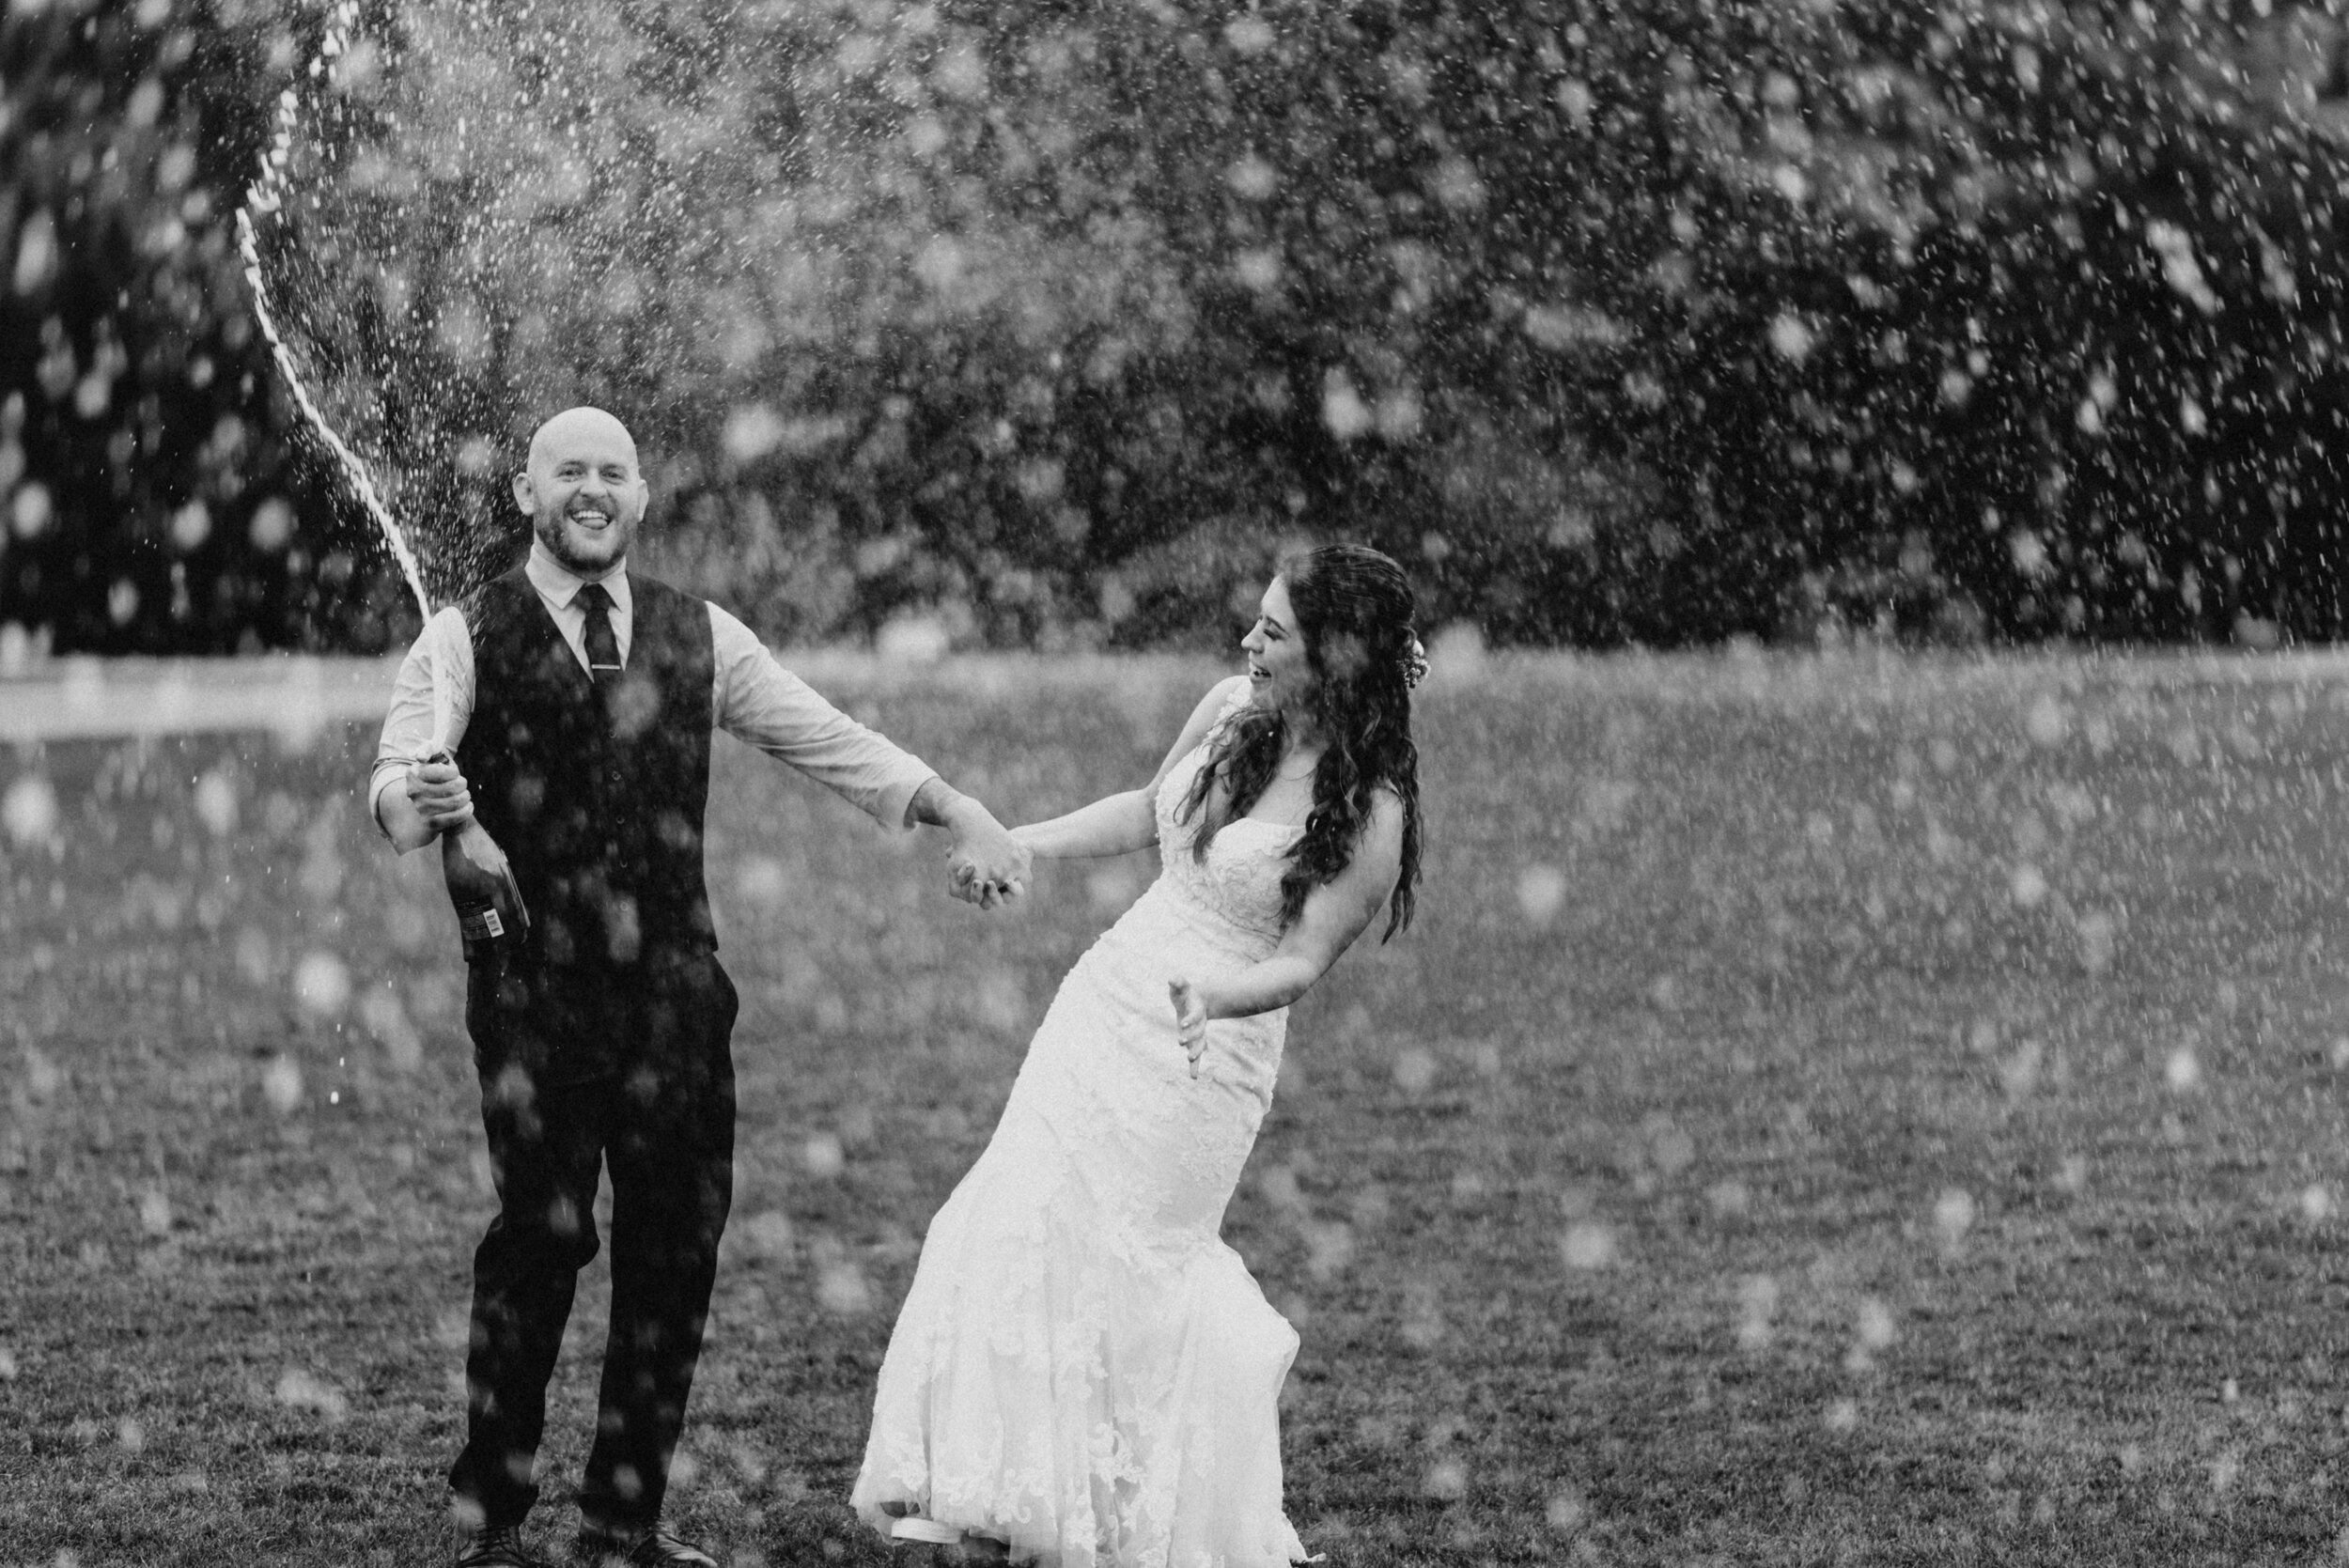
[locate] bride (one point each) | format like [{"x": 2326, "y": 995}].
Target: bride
[{"x": 1083, "y": 1372}]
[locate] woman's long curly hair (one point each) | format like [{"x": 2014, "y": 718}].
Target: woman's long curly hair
[{"x": 1354, "y": 611}]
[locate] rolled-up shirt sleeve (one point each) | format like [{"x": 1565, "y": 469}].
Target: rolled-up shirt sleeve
[
  {"x": 432, "y": 702},
  {"x": 764, "y": 705}
]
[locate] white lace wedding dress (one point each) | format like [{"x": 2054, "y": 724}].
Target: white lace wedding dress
[{"x": 1082, "y": 1367}]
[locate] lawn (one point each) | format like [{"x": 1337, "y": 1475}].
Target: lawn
[{"x": 1829, "y": 1111}]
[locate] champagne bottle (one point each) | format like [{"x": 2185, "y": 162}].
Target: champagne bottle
[{"x": 489, "y": 908}]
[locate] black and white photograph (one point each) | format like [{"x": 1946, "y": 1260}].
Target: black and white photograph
[{"x": 1174, "y": 784}]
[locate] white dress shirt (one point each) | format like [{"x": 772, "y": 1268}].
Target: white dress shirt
[{"x": 754, "y": 699}]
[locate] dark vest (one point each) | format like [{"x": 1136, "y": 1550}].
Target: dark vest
[{"x": 597, "y": 796}]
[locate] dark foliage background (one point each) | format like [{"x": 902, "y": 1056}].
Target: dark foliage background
[{"x": 1052, "y": 324}]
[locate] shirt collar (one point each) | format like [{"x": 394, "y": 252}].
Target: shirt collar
[{"x": 558, "y": 585}]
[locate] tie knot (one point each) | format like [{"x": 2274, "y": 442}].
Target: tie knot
[{"x": 593, "y": 596}]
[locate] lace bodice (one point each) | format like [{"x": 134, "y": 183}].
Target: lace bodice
[{"x": 1236, "y": 884}]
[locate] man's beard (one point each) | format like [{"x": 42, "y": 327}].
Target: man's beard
[{"x": 566, "y": 548}]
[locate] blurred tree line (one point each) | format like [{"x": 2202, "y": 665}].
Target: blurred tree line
[{"x": 1617, "y": 320}]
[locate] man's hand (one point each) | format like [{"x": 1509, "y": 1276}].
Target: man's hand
[
  {"x": 440, "y": 795},
  {"x": 985, "y": 866}
]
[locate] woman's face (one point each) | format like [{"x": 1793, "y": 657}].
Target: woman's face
[{"x": 1279, "y": 675}]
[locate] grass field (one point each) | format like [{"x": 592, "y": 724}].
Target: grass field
[{"x": 1828, "y": 1111}]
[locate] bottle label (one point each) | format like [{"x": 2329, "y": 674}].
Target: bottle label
[{"x": 481, "y": 925}]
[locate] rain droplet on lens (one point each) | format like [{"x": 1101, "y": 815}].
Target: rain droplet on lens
[
  {"x": 1414, "y": 1070},
  {"x": 1249, "y": 34},
  {"x": 216, "y": 802},
  {"x": 2047, "y": 723},
  {"x": 1876, "y": 1329},
  {"x": 1954, "y": 1214},
  {"x": 1541, "y": 893},
  {"x": 769, "y": 1234},
  {"x": 321, "y": 985},
  {"x": 823, "y": 1156},
  {"x": 304, "y": 1391},
  {"x": 29, "y": 811},
  {"x": 1757, "y": 1304},
  {"x": 1587, "y": 1245},
  {"x": 840, "y": 1288},
  {"x": 2184, "y": 1070},
  {"x": 281, "y": 1082}
]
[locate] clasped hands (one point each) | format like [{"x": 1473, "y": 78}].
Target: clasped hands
[{"x": 986, "y": 865}]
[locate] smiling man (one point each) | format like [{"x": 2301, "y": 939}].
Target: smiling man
[
  {"x": 583, "y": 490},
  {"x": 577, "y": 699}
]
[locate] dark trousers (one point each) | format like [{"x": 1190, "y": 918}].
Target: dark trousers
[{"x": 580, "y": 1070}]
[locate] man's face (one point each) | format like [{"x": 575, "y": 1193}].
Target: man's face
[{"x": 581, "y": 490}]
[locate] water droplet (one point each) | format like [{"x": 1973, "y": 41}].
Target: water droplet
[
  {"x": 823, "y": 1156},
  {"x": 840, "y": 1288},
  {"x": 1953, "y": 1216},
  {"x": 1541, "y": 893},
  {"x": 1588, "y": 1245},
  {"x": 1415, "y": 1070},
  {"x": 281, "y": 1082},
  {"x": 216, "y": 804},
  {"x": 30, "y": 811},
  {"x": 2182, "y": 1070},
  {"x": 321, "y": 983},
  {"x": 303, "y": 1390}
]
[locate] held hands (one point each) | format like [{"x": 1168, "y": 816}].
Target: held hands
[
  {"x": 440, "y": 794},
  {"x": 1191, "y": 1019},
  {"x": 986, "y": 865}
]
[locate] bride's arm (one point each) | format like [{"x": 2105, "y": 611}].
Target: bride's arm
[
  {"x": 1109, "y": 826},
  {"x": 1335, "y": 913},
  {"x": 1118, "y": 823}
]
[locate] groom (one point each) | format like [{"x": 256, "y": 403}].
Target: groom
[{"x": 579, "y": 699}]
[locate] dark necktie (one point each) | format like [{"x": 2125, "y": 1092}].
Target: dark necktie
[{"x": 603, "y": 649}]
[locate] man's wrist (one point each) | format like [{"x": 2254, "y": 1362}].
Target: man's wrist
[
  {"x": 959, "y": 813},
  {"x": 931, "y": 803}
]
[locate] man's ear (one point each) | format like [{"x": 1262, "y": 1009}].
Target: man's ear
[{"x": 525, "y": 494}]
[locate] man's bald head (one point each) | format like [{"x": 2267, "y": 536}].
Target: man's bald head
[
  {"x": 579, "y": 424},
  {"x": 581, "y": 490}
]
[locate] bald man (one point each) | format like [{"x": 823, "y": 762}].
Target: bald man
[{"x": 578, "y": 699}]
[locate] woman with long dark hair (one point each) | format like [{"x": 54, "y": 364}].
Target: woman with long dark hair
[{"x": 1083, "y": 1372}]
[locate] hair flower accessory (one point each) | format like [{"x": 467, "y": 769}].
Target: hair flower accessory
[{"x": 1414, "y": 661}]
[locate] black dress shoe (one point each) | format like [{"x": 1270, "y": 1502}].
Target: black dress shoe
[
  {"x": 652, "y": 1549},
  {"x": 496, "y": 1546}
]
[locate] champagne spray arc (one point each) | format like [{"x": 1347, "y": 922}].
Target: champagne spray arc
[{"x": 481, "y": 882}]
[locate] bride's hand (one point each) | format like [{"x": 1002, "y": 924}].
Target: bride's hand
[{"x": 1191, "y": 1020}]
